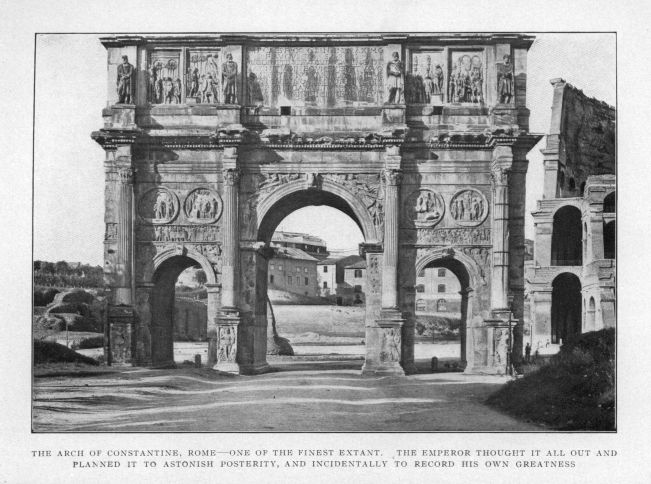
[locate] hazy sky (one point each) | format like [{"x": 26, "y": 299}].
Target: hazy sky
[{"x": 68, "y": 168}]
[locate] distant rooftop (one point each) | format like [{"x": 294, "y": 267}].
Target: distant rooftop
[
  {"x": 291, "y": 253},
  {"x": 357, "y": 265},
  {"x": 297, "y": 238}
]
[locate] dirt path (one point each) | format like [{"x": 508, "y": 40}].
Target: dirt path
[{"x": 300, "y": 396}]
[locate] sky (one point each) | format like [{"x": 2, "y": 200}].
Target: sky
[{"x": 68, "y": 164}]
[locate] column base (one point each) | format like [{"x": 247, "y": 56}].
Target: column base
[
  {"x": 255, "y": 369},
  {"x": 409, "y": 368},
  {"x": 382, "y": 369},
  {"x": 227, "y": 367}
]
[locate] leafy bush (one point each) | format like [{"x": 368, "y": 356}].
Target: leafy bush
[
  {"x": 438, "y": 327},
  {"x": 575, "y": 391}
]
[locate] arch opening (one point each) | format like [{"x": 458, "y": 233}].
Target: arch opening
[
  {"x": 316, "y": 299},
  {"x": 178, "y": 311},
  {"x": 567, "y": 237},
  {"x": 566, "y": 307},
  {"x": 590, "y": 316},
  {"x": 442, "y": 311},
  {"x": 610, "y": 203},
  {"x": 610, "y": 248}
]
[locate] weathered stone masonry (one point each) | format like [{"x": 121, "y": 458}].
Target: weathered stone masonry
[{"x": 421, "y": 139}]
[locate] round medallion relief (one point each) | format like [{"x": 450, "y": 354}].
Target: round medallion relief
[
  {"x": 203, "y": 206},
  {"x": 468, "y": 207},
  {"x": 425, "y": 208},
  {"x": 158, "y": 205}
]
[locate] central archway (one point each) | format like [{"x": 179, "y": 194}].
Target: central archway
[{"x": 283, "y": 202}]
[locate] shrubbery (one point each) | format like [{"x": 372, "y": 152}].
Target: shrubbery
[
  {"x": 438, "y": 327},
  {"x": 94, "y": 342},
  {"x": 50, "y": 352},
  {"x": 574, "y": 391}
]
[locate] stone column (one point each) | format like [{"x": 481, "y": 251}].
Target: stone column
[
  {"x": 384, "y": 351},
  {"x": 390, "y": 259},
  {"x": 500, "y": 168},
  {"x": 214, "y": 293},
  {"x": 226, "y": 332},
  {"x": 124, "y": 257}
]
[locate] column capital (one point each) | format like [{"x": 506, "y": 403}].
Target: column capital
[
  {"x": 392, "y": 176},
  {"x": 125, "y": 174},
  {"x": 500, "y": 175},
  {"x": 231, "y": 176}
]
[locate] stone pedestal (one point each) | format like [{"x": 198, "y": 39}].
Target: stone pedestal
[
  {"x": 121, "y": 326},
  {"x": 384, "y": 346},
  {"x": 225, "y": 340}
]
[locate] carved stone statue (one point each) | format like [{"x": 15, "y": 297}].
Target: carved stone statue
[
  {"x": 177, "y": 91},
  {"x": 168, "y": 90},
  {"x": 229, "y": 80},
  {"x": 194, "y": 83},
  {"x": 505, "y": 80},
  {"x": 126, "y": 75},
  {"x": 227, "y": 344},
  {"x": 256, "y": 98},
  {"x": 395, "y": 82}
]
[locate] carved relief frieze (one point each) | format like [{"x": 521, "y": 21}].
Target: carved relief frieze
[
  {"x": 374, "y": 278},
  {"x": 203, "y": 206},
  {"x": 466, "y": 80},
  {"x": 164, "y": 77},
  {"x": 145, "y": 254},
  {"x": 447, "y": 236},
  {"x": 424, "y": 208},
  {"x": 203, "y": 76},
  {"x": 158, "y": 206},
  {"x": 178, "y": 233},
  {"x": 468, "y": 207},
  {"x": 426, "y": 81}
]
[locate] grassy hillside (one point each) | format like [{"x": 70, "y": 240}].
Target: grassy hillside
[{"x": 574, "y": 391}]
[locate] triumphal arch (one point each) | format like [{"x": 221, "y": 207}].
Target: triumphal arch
[{"x": 211, "y": 140}]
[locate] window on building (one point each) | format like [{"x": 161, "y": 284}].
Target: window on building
[
  {"x": 271, "y": 267},
  {"x": 298, "y": 269},
  {"x": 304, "y": 269},
  {"x": 441, "y": 306},
  {"x": 325, "y": 268},
  {"x": 441, "y": 288},
  {"x": 420, "y": 288},
  {"x": 358, "y": 288},
  {"x": 421, "y": 305},
  {"x": 307, "y": 281},
  {"x": 358, "y": 273},
  {"x": 325, "y": 285},
  {"x": 289, "y": 280},
  {"x": 441, "y": 273},
  {"x": 271, "y": 279}
]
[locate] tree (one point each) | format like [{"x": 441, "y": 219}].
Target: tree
[
  {"x": 200, "y": 277},
  {"x": 62, "y": 267}
]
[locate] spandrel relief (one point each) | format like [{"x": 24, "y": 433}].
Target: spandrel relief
[
  {"x": 165, "y": 84},
  {"x": 466, "y": 82}
]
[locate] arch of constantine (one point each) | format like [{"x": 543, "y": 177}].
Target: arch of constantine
[{"x": 211, "y": 140}]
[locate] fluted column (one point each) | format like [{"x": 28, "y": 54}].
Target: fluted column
[
  {"x": 231, "y": 230},
  {"x": 391, "y": 216},
  {"x": 124, "y": 253},
  {"x": 225, "y": 336},
  {"x": 500, "y": 278}
]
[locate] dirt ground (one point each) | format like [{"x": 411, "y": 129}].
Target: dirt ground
[{"x": 299, "y": 395}]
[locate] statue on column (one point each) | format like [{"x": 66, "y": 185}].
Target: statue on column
[
  {"x": 395, "y": 83},
  {"x": 505, "y": 80},
  {"x": 229, "y": 80},
  {"x": 126, "y": 76}
]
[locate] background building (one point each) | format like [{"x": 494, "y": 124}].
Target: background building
[
  {"x": 437, "y": 291},
  {"x": 309, "y": 244},
  {"x": 293, "y": 270},
  {"x": 571, "y": 280}
]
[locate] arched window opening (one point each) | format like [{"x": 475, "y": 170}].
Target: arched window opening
[
  {"x": 590, "y": 316},
  {"x": 441, "y": 306},
  {"x": 566, "y": 307},
  {"x": 610, "y": 249},
  {"x": 567, "y": 237},
  {"x": 610, "y": 203}
]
